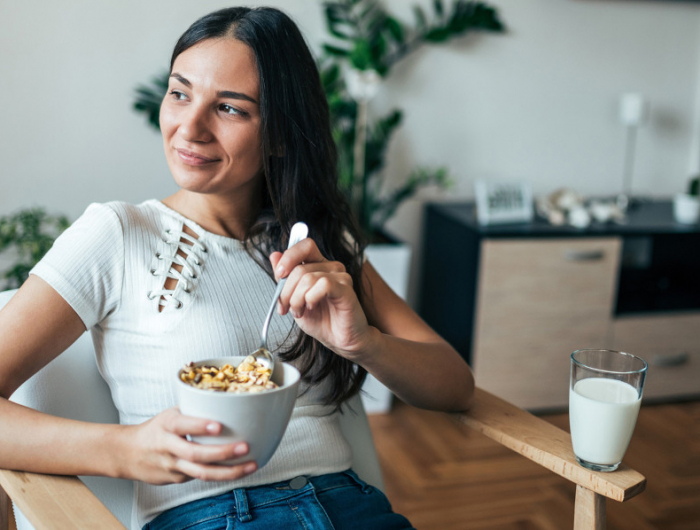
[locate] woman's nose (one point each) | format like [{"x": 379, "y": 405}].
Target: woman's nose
[{"x": 194, "y": 126}]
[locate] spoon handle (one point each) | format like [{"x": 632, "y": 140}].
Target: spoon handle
[
  {"x": 270, "y": 312},
  {"x": 299, "y": 232}
]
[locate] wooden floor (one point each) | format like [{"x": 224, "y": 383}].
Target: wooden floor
[{"x": 444, "y": 476}]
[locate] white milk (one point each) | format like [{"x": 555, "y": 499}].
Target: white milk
[{"x": 602, "y": 414}]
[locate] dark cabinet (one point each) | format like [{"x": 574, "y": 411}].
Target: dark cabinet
[{"x": 516, "y": 300}]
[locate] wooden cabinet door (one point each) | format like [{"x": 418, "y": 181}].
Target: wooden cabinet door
[
  {"x": 671, "y": 346},
  {"x": 538, "y": 301}
]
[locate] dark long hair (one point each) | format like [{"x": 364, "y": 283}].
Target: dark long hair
[{"x": 299, "y": 165}]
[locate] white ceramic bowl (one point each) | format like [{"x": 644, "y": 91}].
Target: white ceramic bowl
[{"x": 259, "y": 418}]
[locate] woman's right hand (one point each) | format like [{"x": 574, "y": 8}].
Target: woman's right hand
[{"x": 157, "y": 451}]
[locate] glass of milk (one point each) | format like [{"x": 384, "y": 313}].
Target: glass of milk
[{"x": 604, "y": 399}]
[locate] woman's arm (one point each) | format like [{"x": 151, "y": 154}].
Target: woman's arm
[
  {"x": 408, "y": 356},
  {"x": 36, "y": 326},
  {"x": 384, "y": 335}
]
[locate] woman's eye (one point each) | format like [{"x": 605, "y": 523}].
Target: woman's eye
[
  {"x": 228, "y": 109},
  {"x": 177, "y": 94}
]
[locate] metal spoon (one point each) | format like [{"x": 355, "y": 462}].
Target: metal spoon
[{"x": 262, "y": 354}]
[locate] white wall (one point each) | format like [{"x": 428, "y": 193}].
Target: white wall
[{"x": 538, "y": 103}]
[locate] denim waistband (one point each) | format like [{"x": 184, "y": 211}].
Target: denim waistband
[{"x": 241, "y": 501}]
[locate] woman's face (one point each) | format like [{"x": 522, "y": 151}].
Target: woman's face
[{"x": 210, "y": 119}]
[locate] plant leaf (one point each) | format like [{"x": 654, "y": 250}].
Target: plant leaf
[
  {"x": 439, "y": 8},
  {"x": 418, "y": 179},
  {"x": 421, "y": 20},
  {"x": 335, "y": 51},
  {"x": 149, "y": 98},
  {"x": 395, "y": 29},
  {"x": 438, "y": 35},
  {"x": 361, "y": 55}
]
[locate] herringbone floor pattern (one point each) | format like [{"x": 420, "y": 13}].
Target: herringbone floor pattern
[{"x": 442, "y": 475}]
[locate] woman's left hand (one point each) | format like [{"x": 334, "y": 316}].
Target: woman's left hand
[{"x": 319, "y": 294}]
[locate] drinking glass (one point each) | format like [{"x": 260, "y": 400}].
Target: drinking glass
[{"x": 604, "y": 399}]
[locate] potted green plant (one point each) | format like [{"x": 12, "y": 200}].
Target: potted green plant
[
  {"x": 686, "y": 206},
  {"x": 367, "y": 42},
  {"x": 26, "y": 236}
]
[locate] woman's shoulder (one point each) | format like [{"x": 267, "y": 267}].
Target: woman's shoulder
[
  {"x": 130, "y": 216},
  {"x": 126, "y": 210}
]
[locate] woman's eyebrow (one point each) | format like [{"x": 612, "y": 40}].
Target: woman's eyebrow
[{"x": 222, "y": 93}]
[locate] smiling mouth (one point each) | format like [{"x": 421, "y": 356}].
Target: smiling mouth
[{"x": 194, "y": 159}]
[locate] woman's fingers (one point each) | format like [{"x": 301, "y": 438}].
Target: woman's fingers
[
  {"x": 205, "y": 454},
  {"x": 180, "y": 425},
  {"x": 305, "y": 251},
  {"x": 313, "y": 287},
  {"x": 305, "y": 273},
  {"x": 212, "y": 472},
  {"x": 177, "y": 423},
  {"x": 340, "y": 286},
  {"x": 160, "y": 454},
  {"x": 274, "y": 259},
  {"x": 309, "y": 277}
]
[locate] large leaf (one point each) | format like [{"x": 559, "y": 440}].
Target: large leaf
[
  {"x": 371, "y": 38},
  {"x": 338, "y": 21},
  {"x": 361, "y": 55},
  {"x": 421, "y": 19},
  {"x": 395, "y": 29},
  {"x": 335, "y": 51},
  {"x": 439, "y": 8},
  {"x": 378, "y": 141},
  {"x": 694, "y": 187},
  {"x": 438, "y": 35},
  {"x": 149, "y": 98}
]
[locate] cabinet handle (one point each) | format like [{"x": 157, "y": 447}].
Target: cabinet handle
[
  {"x": 584, "y": 255},
  {"x": 670, "y": 360}
]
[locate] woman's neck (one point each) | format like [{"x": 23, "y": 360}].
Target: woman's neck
[{"x": 224, "y": 216}]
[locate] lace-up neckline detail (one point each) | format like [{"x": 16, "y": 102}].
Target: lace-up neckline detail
[
  {"x": 221, "y": 241},
  {"x": 179, "y": 268}
]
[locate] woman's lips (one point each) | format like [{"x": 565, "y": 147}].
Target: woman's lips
[{"x": 194, "y": 159}]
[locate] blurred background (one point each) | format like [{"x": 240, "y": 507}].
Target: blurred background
[{"x": 538, "y": 103}]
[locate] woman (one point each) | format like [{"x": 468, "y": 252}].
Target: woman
[{"x": 247, "y": 138}]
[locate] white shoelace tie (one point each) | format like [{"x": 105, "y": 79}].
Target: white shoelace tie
[{"x": 191, "y": 263}]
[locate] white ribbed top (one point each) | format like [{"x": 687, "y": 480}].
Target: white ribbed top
[{"x": 102, "y": 267}]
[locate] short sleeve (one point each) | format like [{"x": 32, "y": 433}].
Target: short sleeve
[{"x": 85, "y": 265}]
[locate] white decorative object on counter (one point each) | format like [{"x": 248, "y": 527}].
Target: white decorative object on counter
[
  {"x": 579, "y": 217},
  {"x": 566, "y": 206},
  {"x": 604, "y": 212},
  {"x": 503, "y": 202},
  {"x": 686, "y": 208},
  {"x": 555, "y": 206}
]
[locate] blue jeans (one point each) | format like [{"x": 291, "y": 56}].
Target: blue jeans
[{"x": 338, "y": 501}]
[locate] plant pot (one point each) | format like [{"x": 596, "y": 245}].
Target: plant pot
[
  {"x": 686, "y": 208},
  {"x": 393, "y": 263}
]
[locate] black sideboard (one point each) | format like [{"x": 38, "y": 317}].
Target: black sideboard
[{"x": 643, "y": 274}]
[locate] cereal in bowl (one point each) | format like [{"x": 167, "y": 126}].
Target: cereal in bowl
[{"x": 249, "y": 376}]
